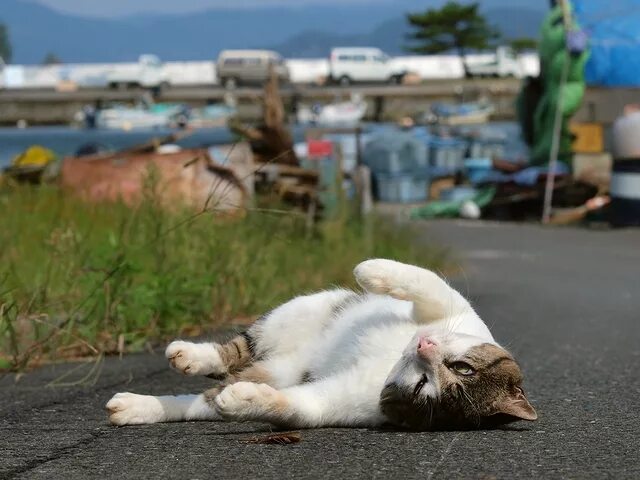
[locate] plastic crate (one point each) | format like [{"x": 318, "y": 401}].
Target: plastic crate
[
  {"x": 446, "y": 156},
  {"x": 402, "y": 188},
  {"x": 395, "y": 152},
  {"x": 487, "y": 149}
]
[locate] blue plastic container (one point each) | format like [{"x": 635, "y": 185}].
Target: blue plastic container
[
  {"x": 394, "y": 152},
  {"x": 490, "y": 148},
  {"x": 402, "y": 187},
  {"x": 446, "y": 156}
]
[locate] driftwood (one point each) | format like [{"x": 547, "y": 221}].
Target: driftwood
[{"x": 271, "y": 141}]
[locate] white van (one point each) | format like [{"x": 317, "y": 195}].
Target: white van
[
  {"x": 249, "y": 67},
  {"x": 356, "y": 64}
]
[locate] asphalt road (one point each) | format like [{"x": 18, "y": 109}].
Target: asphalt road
[{"x": 566, "y": 302}]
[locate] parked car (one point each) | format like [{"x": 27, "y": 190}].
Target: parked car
[
  {"x": 503, "y": 63},
  {"x": 350, "y": 65},
  {"x": 249, "y": 67},
  {"x": 147, "y": 73}
]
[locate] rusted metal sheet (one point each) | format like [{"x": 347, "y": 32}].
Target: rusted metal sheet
[{"x": 188, "y": 177}]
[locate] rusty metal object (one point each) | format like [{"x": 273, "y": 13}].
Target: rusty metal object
[{"x": 188, "y": 177}]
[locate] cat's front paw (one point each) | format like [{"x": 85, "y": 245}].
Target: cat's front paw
[
  {"x": 381, "y": 276},
  {"x": 191, "y": 358},
  {"x": 250, "y": 401},
  {"x": 132, "y": 409}
]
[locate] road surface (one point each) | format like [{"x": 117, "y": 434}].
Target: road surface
[{"x": 566, "y": 302}]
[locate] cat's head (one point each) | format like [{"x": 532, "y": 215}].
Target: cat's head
[{"x": 454, "y": 381}]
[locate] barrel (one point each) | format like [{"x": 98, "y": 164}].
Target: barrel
[
  {"x": 625, "y": 192},
  {"x": 625, "y": 176}
]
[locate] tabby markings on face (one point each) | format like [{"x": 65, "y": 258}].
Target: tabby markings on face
[{"x": 481, "y": 387}]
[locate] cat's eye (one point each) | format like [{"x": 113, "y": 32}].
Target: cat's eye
[{"x": 462, "y": 368}]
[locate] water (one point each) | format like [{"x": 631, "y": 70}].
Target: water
[{"x": 65, "y": 141}]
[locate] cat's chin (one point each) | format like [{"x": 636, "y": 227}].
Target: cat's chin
[{"x": 404, "y": 408}]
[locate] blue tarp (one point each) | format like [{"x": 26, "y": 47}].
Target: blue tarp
[{"x": 614, "y": 30}]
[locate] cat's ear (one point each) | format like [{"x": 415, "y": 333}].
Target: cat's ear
[{"x": 515, "y": 404}]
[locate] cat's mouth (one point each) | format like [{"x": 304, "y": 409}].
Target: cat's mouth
[{"x": 420, "y": 385}]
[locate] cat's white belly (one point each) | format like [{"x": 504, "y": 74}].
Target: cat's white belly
[{"x": 369, "y": 334}]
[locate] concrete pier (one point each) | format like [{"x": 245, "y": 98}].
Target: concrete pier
[{"x": 386, "y": 102}]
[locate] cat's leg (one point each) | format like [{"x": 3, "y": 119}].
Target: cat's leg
[
  {"x": 210, "y": 358},
  {"x": 329, "y": 402},
  {"x": 432, "y": 297},
  {"x": 132, "y": 409},
  {"x": 279, "y": 334}
]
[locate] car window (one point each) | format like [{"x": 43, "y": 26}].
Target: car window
[{"x": 236, "y": 61}]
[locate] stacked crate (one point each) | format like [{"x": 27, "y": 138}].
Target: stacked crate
[
  {"x": 399, "y": 164},
  {"x": 446, "y": 156}
]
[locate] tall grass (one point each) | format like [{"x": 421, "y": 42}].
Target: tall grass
[{"x": 81, "y": 279}]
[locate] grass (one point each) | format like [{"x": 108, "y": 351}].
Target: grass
[{"x": 80, "y": 279}]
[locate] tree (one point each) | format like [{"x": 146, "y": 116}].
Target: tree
[
  {"x": 453, "y": 27},
  {"x": 523, "y": 44},
  {"x": 51, "y": 59},
  {"x": 5, "y": 44}
]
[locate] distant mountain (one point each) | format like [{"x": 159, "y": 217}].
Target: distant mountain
[
  {"x": 36, "y": 30},
  {"x": 391, "y": 35}
]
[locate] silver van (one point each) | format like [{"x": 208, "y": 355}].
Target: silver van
[{"x": 249, "y": 67}]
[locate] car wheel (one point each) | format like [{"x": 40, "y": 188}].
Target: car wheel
[{"x": 344, "y": 81}]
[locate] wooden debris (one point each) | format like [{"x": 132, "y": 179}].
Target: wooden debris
[{"x": 271, "y": 141}]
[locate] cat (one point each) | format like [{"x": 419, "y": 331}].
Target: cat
[{"x": 409, "y": 352}]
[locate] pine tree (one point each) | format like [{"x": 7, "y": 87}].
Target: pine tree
[{"x": 454, "y": 27}]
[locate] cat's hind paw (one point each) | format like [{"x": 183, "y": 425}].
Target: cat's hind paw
[
  {"x": 250, "y": 401},
  {"x": 191, "y": 358},
  {"x": 132, "y": 409}
]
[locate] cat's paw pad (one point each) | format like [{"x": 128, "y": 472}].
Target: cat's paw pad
[
  {"x": 380, "y": 276},
  {"x": 132, "y": 409},
  {"x": 191, "y": 358},
  {"x": 246, "y": 400}
]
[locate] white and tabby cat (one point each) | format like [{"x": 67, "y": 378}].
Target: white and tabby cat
[{"x": 410, "y": 352}]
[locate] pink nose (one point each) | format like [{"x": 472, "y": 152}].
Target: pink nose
[{"x": 425, "y": 346}]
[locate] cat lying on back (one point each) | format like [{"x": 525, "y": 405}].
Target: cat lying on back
[{"x": 411, "y": 352}]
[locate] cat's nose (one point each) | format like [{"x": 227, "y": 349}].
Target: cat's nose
[{"x": 426, "y": 346}]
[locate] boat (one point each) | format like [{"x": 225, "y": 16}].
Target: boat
[
  {"x": 120, "y": 117},
  {"x": 211, "y": 116},
  {"x": 341, "y": 113},
  {"x": 145, "y": 114},
  {"x": 460, "y": 114}
]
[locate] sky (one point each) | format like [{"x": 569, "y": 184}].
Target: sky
[{"x": 116, "y": 8}]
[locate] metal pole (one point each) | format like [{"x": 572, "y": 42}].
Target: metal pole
[{"x": 555, "y": 144}]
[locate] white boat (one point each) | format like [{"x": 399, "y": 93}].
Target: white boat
[
  {"x": 462, "y": 114},
  {"x": 126, "y": 118},
  {"x": 343, "y": 113}
]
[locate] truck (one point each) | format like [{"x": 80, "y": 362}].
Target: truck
[
  {"x": 501, "y": 63},
  {"x": 147, "y": 73}
]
